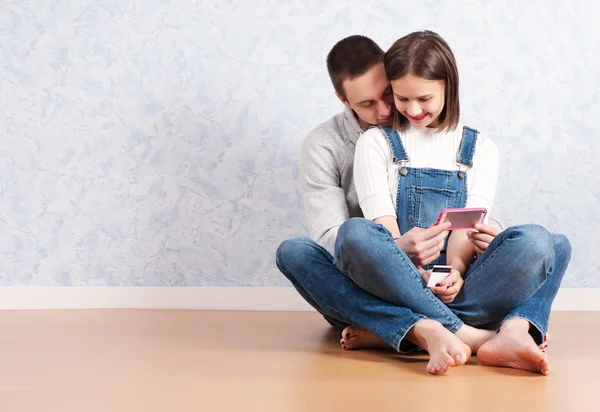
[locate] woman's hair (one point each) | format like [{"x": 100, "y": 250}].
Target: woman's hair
[{"x": 425, "y": 54}]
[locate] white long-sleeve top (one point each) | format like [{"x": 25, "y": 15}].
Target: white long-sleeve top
[{"x": 376, "y": 174}]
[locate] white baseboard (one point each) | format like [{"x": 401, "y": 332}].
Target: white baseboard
[{"x": 215, "y": 298}]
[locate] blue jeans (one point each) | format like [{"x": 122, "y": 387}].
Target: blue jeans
[{"x": 372, "y": 283}]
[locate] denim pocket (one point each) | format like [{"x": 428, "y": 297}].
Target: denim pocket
[{"x": 426, "y": 203}]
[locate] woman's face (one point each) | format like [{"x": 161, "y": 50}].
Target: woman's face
[{"x": 419, "y": 100}]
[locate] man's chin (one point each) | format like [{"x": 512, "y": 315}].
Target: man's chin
[{"x": 386, "y": 122}]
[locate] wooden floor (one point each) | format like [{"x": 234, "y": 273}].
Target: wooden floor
[{"x": 140, "y": 360}]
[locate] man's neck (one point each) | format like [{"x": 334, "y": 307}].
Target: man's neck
[{"x": 361, "y": 122}]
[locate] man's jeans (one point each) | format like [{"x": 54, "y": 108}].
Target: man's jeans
[{"x": 372, "y": 283}]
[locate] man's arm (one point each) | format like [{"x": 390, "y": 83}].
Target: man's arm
[{"x": 324, "y": 200}]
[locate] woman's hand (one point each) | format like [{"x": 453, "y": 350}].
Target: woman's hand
[
  {"x": 482, "y": 237},
  {"x": 423, "y": 246},
  {"x": 447, "y": 289}
]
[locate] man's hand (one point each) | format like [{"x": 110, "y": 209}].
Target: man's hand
[
  {"x": 482, "y": 237},
  {"x": 423, "y": 246},
  {"x": 448, "y": 288}
]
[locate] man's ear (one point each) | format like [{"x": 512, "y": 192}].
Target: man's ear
[{"x": 344, "y": 101}]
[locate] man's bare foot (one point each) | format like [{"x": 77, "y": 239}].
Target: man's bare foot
[
  {"x": 355, "y": 337},
  {"x": 445, "y": 349},
  {"x": 513, "y": 347}
]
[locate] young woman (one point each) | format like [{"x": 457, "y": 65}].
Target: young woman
[{"x": 404, "y": 176}]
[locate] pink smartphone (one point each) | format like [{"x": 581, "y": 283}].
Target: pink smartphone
[{"x": 462, "y": 218}]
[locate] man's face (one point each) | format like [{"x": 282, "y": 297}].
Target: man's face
[{"x": 370, "y": 96}]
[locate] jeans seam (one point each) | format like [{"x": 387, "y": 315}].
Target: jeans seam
[
  {"x": 402, "y": 334},
  {"x": 456, "y": 326},
  {"x": 412, "y": 269}
]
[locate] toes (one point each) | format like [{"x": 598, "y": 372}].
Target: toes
[
  {"x": 539, "y": 356},
  {"x": 350, "y": 342},
  {"x": 539, "y": 363},
  {"x": 438, "y": 367},
  {"x": 433, "y": 366},
  {"x": 545, "y": 367},
  {"x": 347, "y": 332},
  {"x": 460, "y": 358},
  {"x": 441, "y": 364},
  {"x": 444, "y": 366},
  {"x": 448, "y": 359},
  {"x": 448, "y": 362},
  {"x": 350, "y": 331},
  {"x": 544, "y": 344}
]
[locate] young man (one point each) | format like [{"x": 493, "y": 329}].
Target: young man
[{"x": 356, "y": 69}]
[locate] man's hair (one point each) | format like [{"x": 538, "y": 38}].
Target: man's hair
[
  {"x": 350, "y": 58},
  {"x": 425, "y": 54}
]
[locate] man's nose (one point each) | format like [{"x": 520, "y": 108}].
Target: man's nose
[{"x": 385, "y": 109}]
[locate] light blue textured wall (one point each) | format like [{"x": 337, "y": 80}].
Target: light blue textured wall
[{"x": 156, "y": 142}]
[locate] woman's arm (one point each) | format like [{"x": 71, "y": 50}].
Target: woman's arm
[
  {"x": 459, "y": 255},
  {"x": 460, "y": 251}
]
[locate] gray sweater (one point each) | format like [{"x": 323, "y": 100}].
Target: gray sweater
[{"x": 326, "y": 177}]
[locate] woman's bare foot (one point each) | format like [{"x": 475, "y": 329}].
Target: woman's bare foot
[
  {"x": 445, "y": 349},
  {"x": 513, "y": 347},
  {"x": 355, "y": 337}
]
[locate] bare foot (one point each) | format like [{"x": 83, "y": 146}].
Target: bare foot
[
  {"x": 473, "y": 337},
  {"x": 355, "y": 337},
  {"x": 445, "y": 349},
  {"x": 513, "y": 347}
]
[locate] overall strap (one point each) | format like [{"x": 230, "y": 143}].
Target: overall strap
[
  {"x": 467, "y": 149},
  {"x": 398, "y": 151}
]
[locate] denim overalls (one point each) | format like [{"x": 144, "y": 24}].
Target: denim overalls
[{"x": 424, "y": 192}]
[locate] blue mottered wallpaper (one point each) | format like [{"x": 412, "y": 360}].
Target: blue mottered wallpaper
[{"x": 156, "y": 142}]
